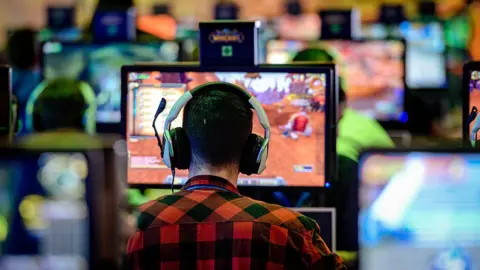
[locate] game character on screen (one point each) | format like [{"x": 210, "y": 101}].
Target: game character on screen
[{"x": 298, "y": 124}]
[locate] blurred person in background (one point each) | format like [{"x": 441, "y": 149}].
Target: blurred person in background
[
  {"x": 356, "y": 132},
  {"x": 8, "y": 138},
  {"x": 61, "y": 113},
  {"x": 23, "y": 58}
]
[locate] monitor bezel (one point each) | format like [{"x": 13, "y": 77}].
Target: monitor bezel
[
  {"x": 387, "y": 124},
  {"x": 102, "y": 127},
  {"x": 330, "y": 116},
  {"x": 465, "y": 93}
]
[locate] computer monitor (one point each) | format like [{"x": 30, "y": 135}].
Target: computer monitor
[
  {"x": 99, "y": 65},
  {"x": 373, "y": 72},
  {"x": 299, "y": 155},
  {"x": 53, "y": 208},
  {"x": 326, "y": 219},
  {"x": 419, "y": 209},
  {"x": 426, "y": 51}
]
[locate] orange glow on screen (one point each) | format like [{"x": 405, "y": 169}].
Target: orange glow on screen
[{"x": 162, "y": 26}]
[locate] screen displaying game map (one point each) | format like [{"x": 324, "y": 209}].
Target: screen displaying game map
[
  {"x": 474, "y": 100},
  {"x": 99, "y": 65},
  {"x": 419, "y": 210},
  {"x": 294, "y": 103},
  {"x": 373, "y": 72}
]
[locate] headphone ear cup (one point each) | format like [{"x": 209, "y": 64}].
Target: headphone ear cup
[
  {"x": 181, "y": 149},
  {"x": 249, "y": 164}
]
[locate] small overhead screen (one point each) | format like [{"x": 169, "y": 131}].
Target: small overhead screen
[
  {"x": 100, "y": 65},
  {"x": 295, "y": 98},
  {"x": 372, "y": 70},
  {"x": 424, "y": 204}
]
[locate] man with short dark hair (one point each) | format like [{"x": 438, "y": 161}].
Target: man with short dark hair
[{"x": 208, "y": 224}]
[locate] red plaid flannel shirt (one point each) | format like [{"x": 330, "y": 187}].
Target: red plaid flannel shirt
[{"x": 209, "y": 225}]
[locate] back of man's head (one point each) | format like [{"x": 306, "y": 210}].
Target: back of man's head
[
  {"x": 61, "y": 105},
  {"x": 21, "y": 49},
  {"x": 218, "y": 124}
]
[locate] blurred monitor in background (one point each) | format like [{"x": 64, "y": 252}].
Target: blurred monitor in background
[
  {"x": 426, "y": 55},
  {"x": 161, "y": 26},
  {"x": 52, "y": 207},
  {"x": 22, "y": 56},
  {"x": 422, "y": 206},
  {"x": 426, "y": 51},
  {"x": 292, "y": 96},
  {"x": 373, "y": 72},
  {"x": 99, "y": 66}
]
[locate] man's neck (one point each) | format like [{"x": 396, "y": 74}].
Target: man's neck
[{"x": 229, "y": 175}]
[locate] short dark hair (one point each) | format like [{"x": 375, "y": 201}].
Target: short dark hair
[
  {"x": 22, "y": 49},
  {"x": 60, "y": 105},
  {"x": 218, "y": 124}
]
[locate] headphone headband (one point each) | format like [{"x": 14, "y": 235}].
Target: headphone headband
[{"x": 242, "y": 93}]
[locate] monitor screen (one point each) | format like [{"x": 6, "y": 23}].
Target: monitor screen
[
  {"x": 373, "y": 72},
  {"x": 99, "y": 65},
  {"x": 420, "y": 210},
  {"x": 44, "y": 217},
  {"x": 294, "y": 102},
  {"x": 426, "y": 51},
  {"x": 474, "y": 101},
  {"x": 425, "y": 58}
]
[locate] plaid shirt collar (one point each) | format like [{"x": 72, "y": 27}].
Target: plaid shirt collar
[{"x": 209, "y": 182}]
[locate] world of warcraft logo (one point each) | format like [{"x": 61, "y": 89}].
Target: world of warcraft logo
[{"x": 226, "y": 36}]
